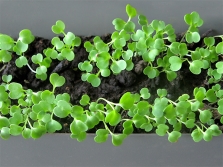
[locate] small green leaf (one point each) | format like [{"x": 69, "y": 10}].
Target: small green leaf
[
  {"x": 215, "y": 130},
  {"x": 142, "y": 20},
  {"x": 48, "y": 96},
  {"x": 85, "y": 99},
  {"x": 20, "y": 47},
  {"x": 207, "y": 136},
  {"x": 41, "y": 70},
  {"x": 176, "y": 63},
  {"x": 144, "y": 93},
  {"x": 69, "y": 37},
  {"x": 78, "y": 126},
  {"x": 5, "y": 133},
  {"x": 38, "y": 58},
  {"x": 21, "y": 61},
  {"x": 57, "y": 43},
  {"x": 94, "y": 80},
  {"x": 26, "y": 36},
  {"x": 26, "y": 133},
  {"x": 3, "y": 93},
  {"x": 195, "y": 66},
  {"x": 4, "y": 122},
  {"x": 171, "y": 75},
  {"x": 38, "y": 131},
  {"x": 53, "y": 126},
  {"x": 219, "y": 48},
  {"x": 56, "y": 80},
  {"x": 15, "y": 130},
  {"x": 119, "y": 24},
  {"x": 150, "y": 72},
  {"x": 67, "y": 54},
  {"x": 128, "y": 128},
  {"x": 63, "y": 109},
  {"x": 190, "y": 123},
  {"x": 113, "y": 118},
  {"x": 101, "y": 135},
  {"x": 117, "y": 139},
  {"x": 211, "y": 96},
  {"x": 161, "y": 92},
  {"x": 205, "y": 116},
  {"x": 129, "y": 27},
  {"x": 219, "y": 66},
  {"x": 159, "y": 106},
  {"x": 58, "y": 27},
  {"x": 16, "y": 90},
  {"x": 6, "y": 42},
  {"x": 118, "y": 66},
  {"x": 131, "y": 11},
  {"x": 174, "y": 136},
  {"x": 197, "y": 135},
  {"x": 5, "y": 56},
  {"x": 127, "y": 101},
  {"x": 161, "y": 129},
  {"x": 86, "y": 66}
]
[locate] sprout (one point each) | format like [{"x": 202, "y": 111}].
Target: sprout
[{"x": 32, "y": 114}]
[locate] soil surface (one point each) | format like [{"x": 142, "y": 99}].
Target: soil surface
[{"x": 111, "y": 88}]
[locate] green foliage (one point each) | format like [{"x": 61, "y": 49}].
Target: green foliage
[{"x": 32, "y": 114}]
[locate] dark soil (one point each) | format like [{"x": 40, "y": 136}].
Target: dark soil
[{"x": 111, "y": 88}]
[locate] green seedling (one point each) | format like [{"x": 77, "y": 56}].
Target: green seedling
[{"x": 32, "y": 114}]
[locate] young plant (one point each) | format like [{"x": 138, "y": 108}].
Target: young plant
[{"x": 32, "y": 114}]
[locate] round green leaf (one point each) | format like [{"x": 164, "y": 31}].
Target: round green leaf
[
  {"x": 41, "y": 70},
  {"x": 58, "y": 27},
  {"x": 56, "y": 80},
  {"x": 38, "y": 131},
  {"x": 117, "y": 139},
  {"x": 195, "y": 66},
  {"x": 161, "y": 129},
  {"x": 85, "y": 99},
  {"x": 57, "y": 43},
  {"x": 144, "y": 93},
  {"x": 5, "y": 56},
  {"x": 48, "y": 96},
  {"x": 211, "y": 96},
  {"x": 205, "y": 116},
  {"x": 101, "y": 135},
  {"x": 16, "y": 90},
  {"x": 159, "y": 106},
  {"x": 174, "y": 136},
  {"x": 119, "y": 24},
  {"x": 219, "y": 66},
  {"x": 53, "y": 126},
  {"x": 67, "y": 54},
  {"x": 150, "y": 72},
  {"x": 5, "y": 133},
  {"x": 131, "y": 11},
  {"x": 176, "y": 63},
  {"x": 26, "y": 36},
  {"x": 63, "y": 109},
  {"x": 4, "y": 122},
  {"x": 118, "y": 66},
  {"x": 113, "y": 118},
  {"x": 6, "y": 42},
  {"x": 3, "y": 94},
  {"x": 38, "y": 58},
  {"x": 68, "y": 39},
  {"x": 94, "y": 80},
  {"x": 21, "y": 61},
  {"x": 219, "y": 48},
  {"x": 15, "y": 130},
  {"x": 26, "y": 133},
  {"x": 127, "y": 101}
]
